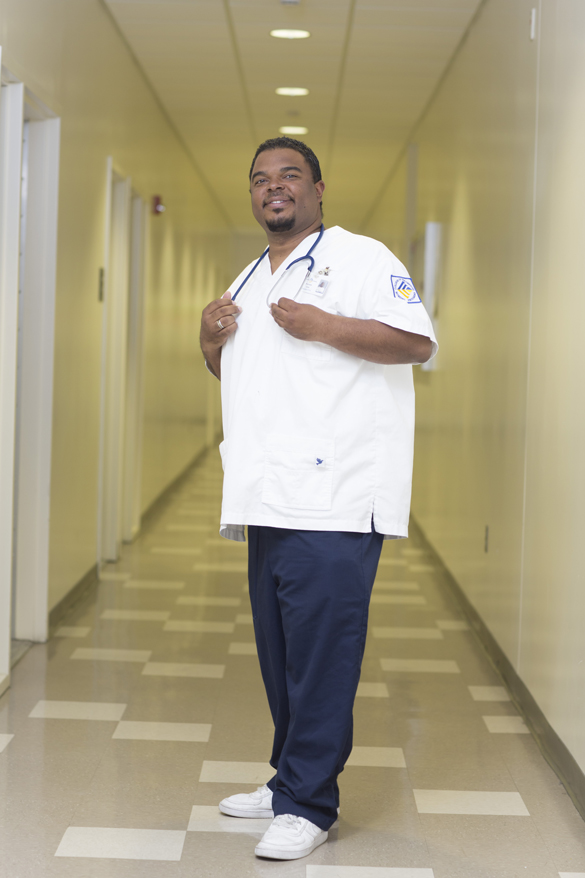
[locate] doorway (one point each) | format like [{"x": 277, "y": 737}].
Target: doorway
[
  {"x": 122, "y": 347},
  {"x": 29, "y": 170}
]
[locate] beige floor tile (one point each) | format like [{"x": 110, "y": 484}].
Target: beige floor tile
[
  {"x": 500, "y": 804},
  {"x": 404, "y": 633},
  {"x": 154, "y": 584},
  {"x": 242, "y": 649},
  {"x": 489, "y": 693},
  {"x": 377, "y": 757},
  {"x": 396, "y": 586},
  {"x": 198, "y": 626},
  {"x": 178, "y": 669},
  {"x": 235, "y": 772},
  {"x": 207, "y": 818},
  {"x": 372, "y": 690},
  {"x": 207, "y": 601},
  {"x": 5, "y": 741},
  {"x": 160, "y": 731},
  {"x": 420, "y": 666},
  {"x": 506, "y": 725},
  {"x": 73, "y": 631},
  {"x": 406, "y": 599},
  {"x": 83, "y": 710},
  {"x": 103, "y": 654},
  {"x": 122, "y": 844}
]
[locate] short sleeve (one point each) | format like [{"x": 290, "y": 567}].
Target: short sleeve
[{"x": 389, "y": 295}]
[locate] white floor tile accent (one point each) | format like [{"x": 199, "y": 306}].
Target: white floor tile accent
[
  {"x": 112, "y": 655},
  {"x": 155, "y": 584},
  {"x": 72, "y": 631},
  {"x": 91, "y": 710},
  {"x": 176, "y": 550},
  {"x": 412, "y": 599},
  {"x": 470, "y": 802},
  {"x": 135, "y": 615},
  {"x": 122, "y": 844},
  {"x": 571, "y": 874},
  {"x": 113, "y": 577},
  {"x": 397, "y": 586},
  {"x": 377, "y": 757},
  {"x": 506, "y": 725},
  {"x": 421, "y": 568},
  {"x": 236, "y": 772},
  {"x": 420, "y": 666},
  {"x": 407, "y": 633},
  {"x": 244, "y": 619},
  {"x": 372, "y": 690},
  {"x": 204, "y": 601},
  {"x": 222, "y": 567},
  {"x": 392, "y": 562},
  {"x": 199, "y": 627},
  {"x": 488, "y": 693},
  {"x": 242, "y": 649},
  {"x": 189, "y": 528},
  {"x": 452, "y": 625},
  {"x": 366, "y": 872},
  {"x": 175, "y": 669},
  {"x": 150, "y": 731},
  {"x": 206, "y": 818},
  {"x": 5, "y": 741}
]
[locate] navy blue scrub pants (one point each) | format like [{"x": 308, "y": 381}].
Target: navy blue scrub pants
[{"x": 310, "y": 594}]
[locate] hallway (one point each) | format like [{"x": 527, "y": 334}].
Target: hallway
[{"x": 120, "y": 736}]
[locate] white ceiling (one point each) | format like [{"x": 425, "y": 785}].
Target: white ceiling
[{"x": 370, "y": 66}]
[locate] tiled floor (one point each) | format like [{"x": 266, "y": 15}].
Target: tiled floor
[{"x": 119, "y": 737}]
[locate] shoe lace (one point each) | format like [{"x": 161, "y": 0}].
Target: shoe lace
[
  {"x": 260, "y": 792},
  {"x": 287, "y": 820}
]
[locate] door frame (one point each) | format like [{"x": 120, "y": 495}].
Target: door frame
[{"x": 11, "y": 126}]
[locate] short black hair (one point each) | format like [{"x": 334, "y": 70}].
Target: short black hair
[{"x": 291, "y": 143}]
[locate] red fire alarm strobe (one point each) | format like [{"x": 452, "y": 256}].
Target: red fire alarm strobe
[{"x": 157, "y": 205}]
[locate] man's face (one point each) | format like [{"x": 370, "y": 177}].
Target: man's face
[{"x": 284, "y": 196}]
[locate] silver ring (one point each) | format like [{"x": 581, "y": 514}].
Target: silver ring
[{"x": 220, "y": 324}]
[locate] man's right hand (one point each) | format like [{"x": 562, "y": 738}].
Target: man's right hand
[{"x": 218, "y": 322}]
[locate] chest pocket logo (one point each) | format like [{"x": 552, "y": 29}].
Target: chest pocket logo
[{"x": 298, "y": 472}]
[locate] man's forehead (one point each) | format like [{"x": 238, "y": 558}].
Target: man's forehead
[{"x": 279, "y": 159}]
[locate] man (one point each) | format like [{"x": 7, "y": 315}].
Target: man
[{"x": 318, "y": 416}]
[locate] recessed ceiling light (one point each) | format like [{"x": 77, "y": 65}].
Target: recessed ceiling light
[
  {"x": 288, "y": 34},
  {"x": 293, "y": 92},
  {"x": 293, "y": 129}
]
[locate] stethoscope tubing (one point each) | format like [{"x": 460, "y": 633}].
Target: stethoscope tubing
[{"x": 307, "y": 255}]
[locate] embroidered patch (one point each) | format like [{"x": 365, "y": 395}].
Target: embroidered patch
[{"x": 403, "y": 288}]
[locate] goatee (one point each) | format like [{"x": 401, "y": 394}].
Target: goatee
[{"x": 280, "y": 224}]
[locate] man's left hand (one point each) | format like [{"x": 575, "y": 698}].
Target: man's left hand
[{"x": 301, "y": 321}]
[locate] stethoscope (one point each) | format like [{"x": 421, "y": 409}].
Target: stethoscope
[{"x": 307, "y": 255}]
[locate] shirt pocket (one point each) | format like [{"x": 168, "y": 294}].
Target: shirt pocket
[
  {"x": 298, "y": 472},
  {"x": 308, "y": 350}
]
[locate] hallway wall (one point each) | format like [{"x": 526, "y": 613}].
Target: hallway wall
[
  {"x": 500, "y": 422},
  {"x": 71, "y": 56}
]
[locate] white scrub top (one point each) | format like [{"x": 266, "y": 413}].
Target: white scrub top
[{"x": 316, "y": 439}]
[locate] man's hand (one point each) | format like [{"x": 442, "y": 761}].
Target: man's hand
[
  {"x": 218, "y": 322},
  {"x": 368, "y": 339},
  {"x": 301, "y": 321}
]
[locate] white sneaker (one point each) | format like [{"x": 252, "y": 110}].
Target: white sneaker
[
  {"x": 257, "y": 804},
  {"x": 290, "y": 838}
]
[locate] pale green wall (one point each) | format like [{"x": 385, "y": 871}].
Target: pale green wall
[
  {"x": 71, "y": 56},
  {"x": 501, "y": 423}
]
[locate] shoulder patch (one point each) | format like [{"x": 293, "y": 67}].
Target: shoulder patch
[{"x": 403, "y": 288}]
